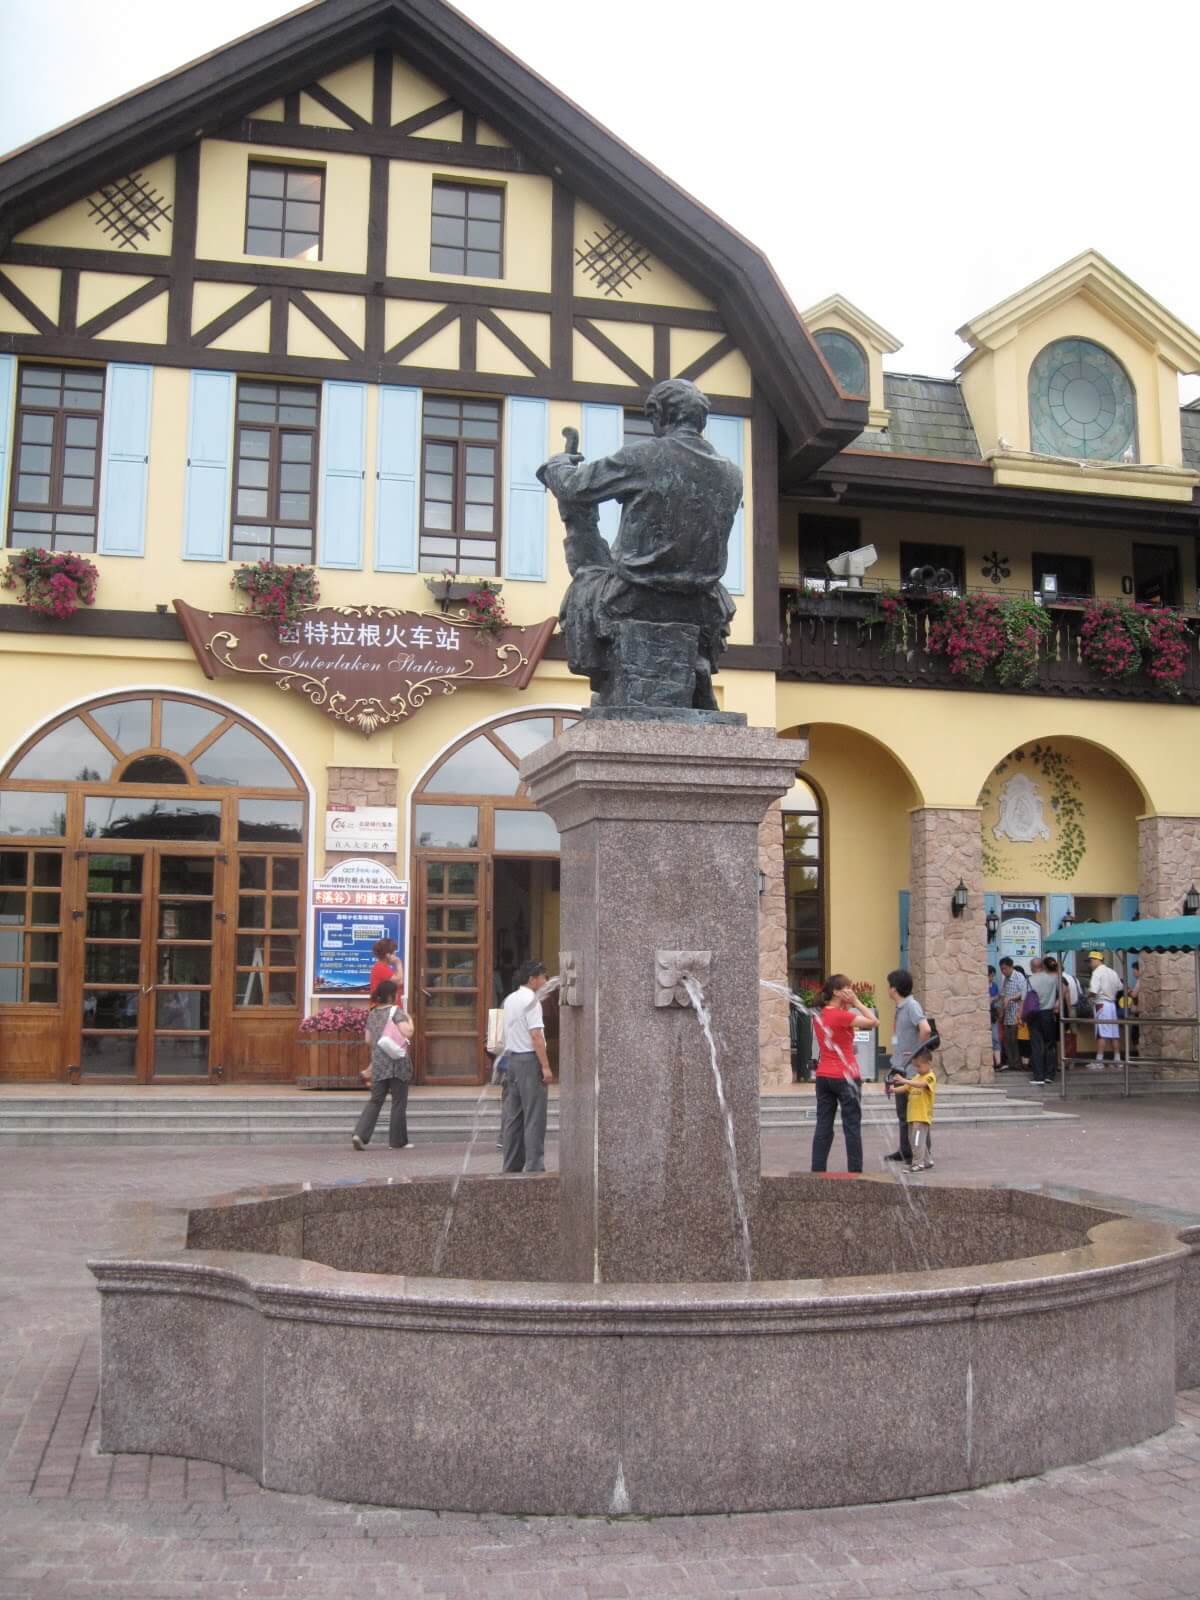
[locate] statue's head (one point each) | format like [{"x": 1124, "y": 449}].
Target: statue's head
[{"x": 677, "y": 403}]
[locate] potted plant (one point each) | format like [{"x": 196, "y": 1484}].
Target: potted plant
[
  {"x": 485, "y": 608},
  {"x": 969, "y": 631},
  {"x": 277, "y": 592},
  {"x": 343, "y": 1027},
  {"x": 1168, "y": 646},
  {"x": 54, "y": 583}
]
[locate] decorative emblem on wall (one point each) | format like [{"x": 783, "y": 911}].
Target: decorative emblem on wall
[
  {"x": 1021, "y": 818},
  {"x": 613, "y": 260},
  {"x": 129, "y": 211},
  {"x": 996, "y": 567},
  {"x": 369, "y": 666}
]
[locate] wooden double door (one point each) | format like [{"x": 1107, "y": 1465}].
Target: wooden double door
[{"x": 148, "y": 927}]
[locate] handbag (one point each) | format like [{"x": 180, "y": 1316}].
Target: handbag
[
  {"x": 391, "y": 1041},
  {"x": 1031, "y": 1005},
  {"x": 495, "y": 1031}
]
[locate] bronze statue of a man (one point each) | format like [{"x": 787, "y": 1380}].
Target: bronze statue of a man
[{"x": 646, "y": 621}]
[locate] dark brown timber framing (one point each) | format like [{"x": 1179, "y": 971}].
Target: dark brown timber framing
[
  {"x": 484, "y": 80},
  {"x": 937, "y": 486},
  {"x": 764, "y": 489}
]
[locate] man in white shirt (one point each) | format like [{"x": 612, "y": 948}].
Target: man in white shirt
[
  {"x": 1105, "y": 984},
  {"x": 527, "y": 1074}
]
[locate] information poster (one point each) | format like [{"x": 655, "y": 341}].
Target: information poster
[
  {"x": 1020, "y": 931},
  {"x": 354, "y": 906}
]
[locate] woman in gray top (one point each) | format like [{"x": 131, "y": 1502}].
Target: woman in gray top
[
  {"x": 1043, "y": 1025},
  {"x": 387, "y": 1073}
]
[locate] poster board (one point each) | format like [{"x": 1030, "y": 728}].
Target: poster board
[{"x": 353, "y": 906}]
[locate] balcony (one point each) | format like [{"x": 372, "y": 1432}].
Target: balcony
[{"x": 827, "y": 639}]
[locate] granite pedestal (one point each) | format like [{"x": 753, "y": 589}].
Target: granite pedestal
[{"x": 659, "y": 850}]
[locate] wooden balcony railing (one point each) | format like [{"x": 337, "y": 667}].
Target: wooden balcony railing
[{"x": 826, "y": 639}]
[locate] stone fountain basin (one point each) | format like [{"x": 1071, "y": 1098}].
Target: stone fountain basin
[{"x": 894, "y": 1343}]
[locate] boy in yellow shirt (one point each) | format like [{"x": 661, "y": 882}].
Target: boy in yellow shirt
[{"x": 921, "y": 1090}]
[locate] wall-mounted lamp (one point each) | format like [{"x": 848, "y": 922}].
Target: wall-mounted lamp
[
  {"x": 958, "y": 900},
  {"x": 1191, "y": 902},
  {"x": 992, "y": 923},
  {"x": 1068, "y": 921}
]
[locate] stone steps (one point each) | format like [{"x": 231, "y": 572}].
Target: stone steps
[{"x": 310, "y": 1118}]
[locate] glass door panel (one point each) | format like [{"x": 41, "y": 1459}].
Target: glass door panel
[
  {"x": 450, "y": 993},
  {"x": 113, "y": 961},
  {"x": 181, "y": 965}
]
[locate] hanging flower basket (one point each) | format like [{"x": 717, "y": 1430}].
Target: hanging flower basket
[
  {"x": 54, "y": 583},
  {"x": 1169, "y": 645},
  {"x": 1026, "y": 628},
  {"x": 278, "y": 592},
  {"x": 1112, "y": 638},
  {"x": 485, "y": 608},
  {"x": 969, "y": 631}
]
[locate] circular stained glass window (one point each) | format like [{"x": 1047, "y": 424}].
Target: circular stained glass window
[
  {"x": 847, "y": 360},
  {"x": 1081, "y": 403}
]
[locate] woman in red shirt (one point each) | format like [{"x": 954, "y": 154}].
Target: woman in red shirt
[
  {"x": 388, "y": 966},
  {"x": 837, "y": 1076}
]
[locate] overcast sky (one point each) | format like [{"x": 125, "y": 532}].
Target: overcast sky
[{"x": 925, "y": 160}]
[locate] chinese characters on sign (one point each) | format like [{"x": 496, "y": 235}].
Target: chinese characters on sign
[
  {"x": 369, "y": 666},
  {"x": 361, "y": 828},
  {"x": 353, "y": 906}
]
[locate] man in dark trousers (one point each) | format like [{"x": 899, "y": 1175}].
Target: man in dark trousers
[
  {"x": 911, "y": 1031},
  {"x": 527, "y": 1074}
]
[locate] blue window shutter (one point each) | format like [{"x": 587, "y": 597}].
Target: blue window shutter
[
  {"x": 524, "y": 497},
  {"x": 603, "y": 434},
  {"x": 343, "y": 450},
  {"x": 8, "y": 384},
  {"x": 126, "y": 461},
  {"x": 1127, "y": 907},
  {"x": 991, "y": 907},
  {"x": 1058, "y": 906},
  {"x": 725, "y": 436},
  {"x": 210, "y": 451},
  {"x": 905, "y": 897},
  {"x": 397, "y": 479}
]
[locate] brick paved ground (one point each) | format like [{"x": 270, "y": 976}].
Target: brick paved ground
[{"x": 75, "y": 1524}]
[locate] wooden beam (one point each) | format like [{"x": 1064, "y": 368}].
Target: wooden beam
[
  {"x": 467, "y": 341},
  {"x": 696, "y": 369},
  {"x": 140, "y": 297},
  {"x": 367, "y": 141},
  {"x": 662, "y": 352},
  {"x": 615, "y": 354},
  {"x": 381, "y": 89},
  {"x": 231, "y": 317},
  {"x": 764, "y": 533},
  {"x": 183, "y": 244},
  {"x": 339, "y": 108},
  {"x": 426, "y": 118},
  {"x": 562, "y": 277},
  {"x": 414, "y": 340},
  {"x": 21, "y": 302},
  {"x": 511, "y": 341},
  {"x": 68, "y": 299},
  {"x": 324, "y": 323}
]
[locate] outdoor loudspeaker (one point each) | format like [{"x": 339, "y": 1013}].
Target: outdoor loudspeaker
[
  {"x": 851, "y": 564},
  {"x": 931, "y": 578}
]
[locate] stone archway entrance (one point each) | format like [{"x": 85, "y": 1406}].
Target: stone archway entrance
[{"x": 152, "y": 866}]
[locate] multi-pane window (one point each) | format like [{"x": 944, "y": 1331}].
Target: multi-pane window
[
  {"x": 802, "y": 867},
  {"x": 467, "y": 234},
  {"x": 275, "y": 489},
  {"x": 460, "y": 465},
  {"x": 284, "y": 211},
  {"x": 268, "y": 931},
  {"x": 932, "y": 566},
  {"x": 30, "y": 926},
  {"x": 637, "y": 426},
  {"x": 56, "y": 467}
]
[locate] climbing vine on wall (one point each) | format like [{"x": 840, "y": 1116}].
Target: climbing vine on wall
[{"x": 1065, "y": 803}]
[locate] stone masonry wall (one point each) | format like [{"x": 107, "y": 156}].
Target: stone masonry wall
[
  {"x": 947, "y": 953},
  {"x": 1168, "y": 864},
  {"x": 362, "y": 786},
  {"x": 774, "y": 1041}
]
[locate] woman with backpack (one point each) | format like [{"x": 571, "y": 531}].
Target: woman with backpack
[{"x": 389, "y": 1031}]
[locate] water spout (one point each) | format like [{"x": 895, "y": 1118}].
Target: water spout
[
  {"x": 439, "y": 1250},
  {"x": 696, "y": 995}
]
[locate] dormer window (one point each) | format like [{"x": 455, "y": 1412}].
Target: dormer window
[
  {"x": 1081, "y": 403},
  {"x": 846, "y": 358}
]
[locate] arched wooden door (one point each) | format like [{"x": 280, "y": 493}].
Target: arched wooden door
[
  {"x": 152, "y": 853},
  {"x": 485, "y": 870}
]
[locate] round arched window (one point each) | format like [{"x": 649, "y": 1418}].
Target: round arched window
[
  {"x": 1081, "y": 403},
  {"x": 847, "y": 360}
]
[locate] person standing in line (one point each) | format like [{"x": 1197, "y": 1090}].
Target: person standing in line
[
  {"x": 1133, "y": 1004},
  {"x": 994, "y": 1013},
  {"x": 388, "y": 967},
  {"x": 837, "y": 1075},
  {"x": 1105, "y": 990},
  {"x": 912, "y": 1028},
  {"x": 1043, "y": 1024},
  {"x": 389, "y": 1074},
  {"x": 527, "y": 1074},
  {"x": 1012, "y": 997}
]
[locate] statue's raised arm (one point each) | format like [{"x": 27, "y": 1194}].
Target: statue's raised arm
[{"x": 646, "y": 621}]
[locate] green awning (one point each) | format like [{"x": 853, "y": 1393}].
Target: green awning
[{"x": 1170, "y": 934}]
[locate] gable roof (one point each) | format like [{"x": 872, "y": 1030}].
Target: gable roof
[
  {"x": 1093, "y": 275},
  {"x": 201, "y": 98},
  {"x": 928, "y": 417}
]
